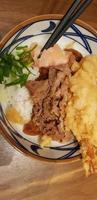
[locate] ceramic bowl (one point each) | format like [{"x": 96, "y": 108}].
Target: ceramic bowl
[{"x": 38, "y": 29}]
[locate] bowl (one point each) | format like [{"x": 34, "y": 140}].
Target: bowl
[{"x": 84, "y": 39}]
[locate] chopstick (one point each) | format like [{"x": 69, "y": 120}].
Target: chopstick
[
  {"x": 72, "y": 14},
  {"x": 62, "y": 23}
]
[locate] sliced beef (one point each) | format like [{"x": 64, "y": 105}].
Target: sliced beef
[
  {"x": 43, "y": 73},
  {"x": 50, "y": 94},
  {"x": 37, "y": 88},
  {"x": 50, "y": 97},
  {"x": 77, "y": 54}
]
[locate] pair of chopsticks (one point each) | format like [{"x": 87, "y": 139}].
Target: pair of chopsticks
[{"x": 76, "y": 9}]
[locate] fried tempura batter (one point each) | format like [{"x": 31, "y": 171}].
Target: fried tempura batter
[{"x": 81, "y": 116}]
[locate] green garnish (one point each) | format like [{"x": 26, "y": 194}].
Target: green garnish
[
  {"x": 14, "y": 69},
  {"x": 20, "y": 80}
]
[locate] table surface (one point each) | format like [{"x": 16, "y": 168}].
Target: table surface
[{"x": 22, "y": 178}]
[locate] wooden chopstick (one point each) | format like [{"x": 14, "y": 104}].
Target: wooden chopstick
[{"x": 72, "y": 14}]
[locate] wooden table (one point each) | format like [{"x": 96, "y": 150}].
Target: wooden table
[{"x": 20, "y": 177}]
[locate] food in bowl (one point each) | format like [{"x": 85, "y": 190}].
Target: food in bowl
[{"x": 50, "y": 96}]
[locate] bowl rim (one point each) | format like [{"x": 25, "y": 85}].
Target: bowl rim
[{"x": 4, "y": 40}]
